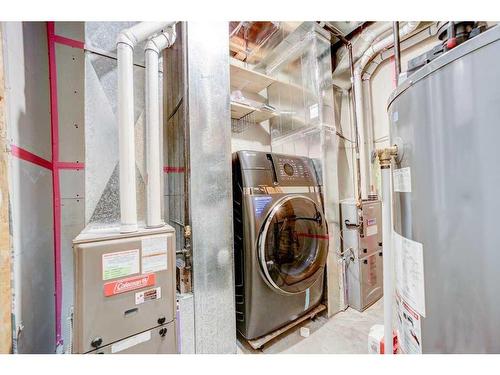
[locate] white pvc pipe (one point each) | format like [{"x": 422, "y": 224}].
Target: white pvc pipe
[
  {"x": 387, "y": 257},
  {"x": 127, "y": 39},
  {"x": 153, "y": 139},
  {"x": 141, "y": 31},
  {"x": 128, "y": 205},
  {"x": 367, "y": 56}
]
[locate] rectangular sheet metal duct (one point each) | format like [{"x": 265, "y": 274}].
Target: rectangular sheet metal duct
[
  {"x": 203, "y": 107},
  {"x": 307, "y": 126}
]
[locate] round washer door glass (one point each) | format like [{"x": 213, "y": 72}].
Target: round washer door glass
[{"x": 293, "y": 244}]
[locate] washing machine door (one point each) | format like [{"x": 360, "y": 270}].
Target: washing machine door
[{"x": 293, "y": 244}]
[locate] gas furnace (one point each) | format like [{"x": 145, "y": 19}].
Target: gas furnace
[
  {"x": 362, "y": 249},
  {"x": 125, "y": 291}
]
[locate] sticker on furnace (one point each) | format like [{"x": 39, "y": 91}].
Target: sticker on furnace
[
  {"x": 147, "y": 295},
  {"x": 154, "y": 254},
  {"x": 126, "y": 285}
]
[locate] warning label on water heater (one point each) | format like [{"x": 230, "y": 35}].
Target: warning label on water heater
[
  {"x": 409, "y": 271},
  {"x": 402, "y": 180},
  {"x": 409, "y": 328}
]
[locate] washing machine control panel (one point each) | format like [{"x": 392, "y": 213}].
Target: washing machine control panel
[
  {"x": 269, "y": 169},
  {"x": 293, "y": 170}
]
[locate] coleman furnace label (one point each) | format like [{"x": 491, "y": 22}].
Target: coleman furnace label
[
  {"x": 147, "y": 295},
  {"x": 120, "y": 264},
  {"x": 129, "y": 284},
  {"x": 154, "y": 254}
]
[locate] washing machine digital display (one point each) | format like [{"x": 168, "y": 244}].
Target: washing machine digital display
[{"x": 260, "y": 203}]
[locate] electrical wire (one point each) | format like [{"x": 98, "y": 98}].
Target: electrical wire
[
  {"x": 344, "y": 137},
  {"x": 176, "y": 108},
  {"x": 382, "y": 139}
]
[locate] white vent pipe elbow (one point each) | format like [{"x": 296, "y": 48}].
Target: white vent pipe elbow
[
  {"x": 153, "y": 122},
  {"x": 140, "y": 32},
  {"x": 126, "y": 41},
  {"x": 359, "y": 69}
]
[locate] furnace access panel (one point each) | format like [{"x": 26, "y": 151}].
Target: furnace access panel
[
  {"x": 362, "y": 247},
  {"x": 125, "y": 292}
]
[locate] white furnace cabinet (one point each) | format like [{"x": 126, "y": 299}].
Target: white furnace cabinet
[{"x": 125, "y": 292}]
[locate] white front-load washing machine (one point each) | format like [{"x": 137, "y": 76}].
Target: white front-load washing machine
[{"x": 280, "y": 240}]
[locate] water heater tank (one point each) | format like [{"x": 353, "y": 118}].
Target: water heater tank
[{"x": 445, "y": 118}]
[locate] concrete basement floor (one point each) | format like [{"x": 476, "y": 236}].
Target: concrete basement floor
[{"x": 344, "y": 333}]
